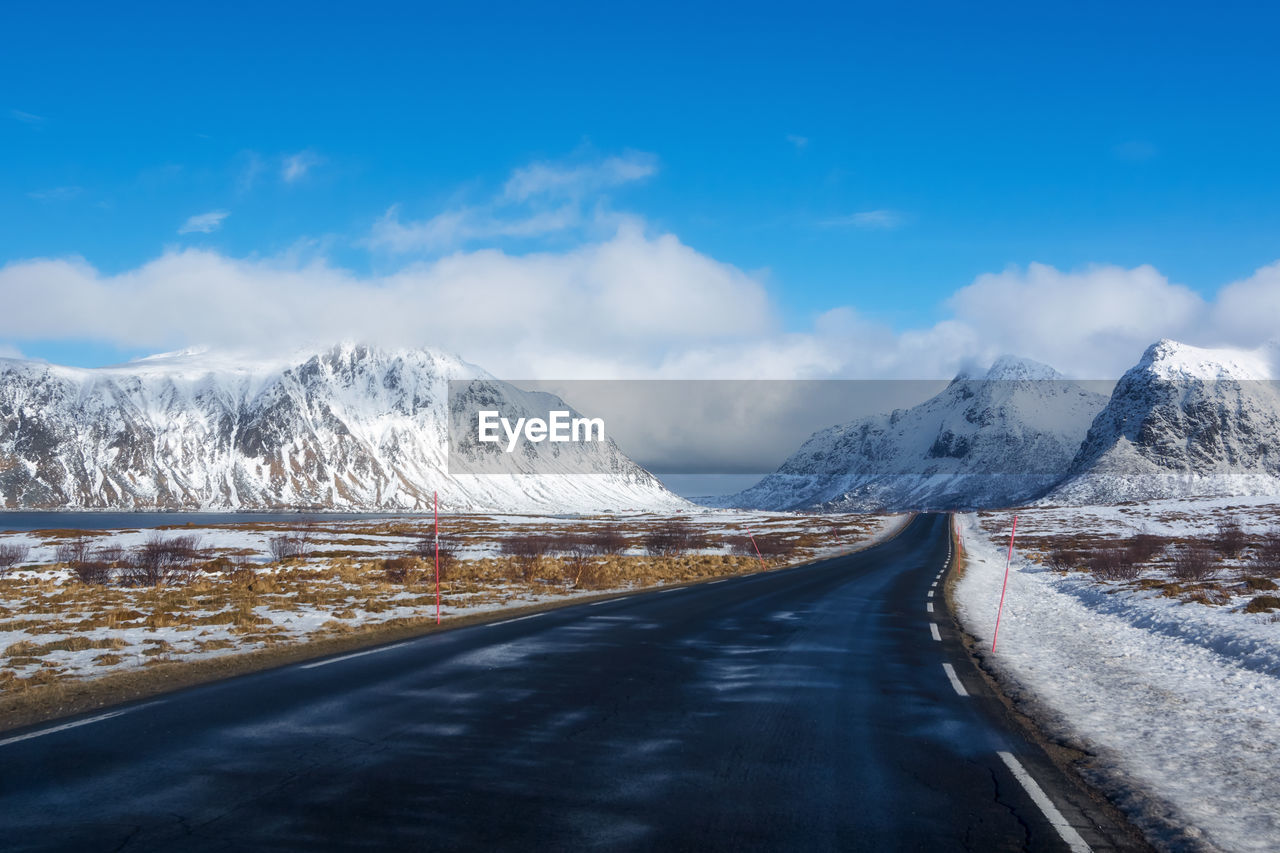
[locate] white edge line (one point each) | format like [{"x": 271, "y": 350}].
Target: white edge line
[
  {"x": 1038, "y": 796},
  {"x": 517, "y": 619},
  {"x": 933, "y": 629},
  {"x": 73, "y": 725},
  {"x": 955, "y": 680},
  {"x": 352, "y": 655}
]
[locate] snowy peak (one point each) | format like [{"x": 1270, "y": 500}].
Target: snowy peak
[
  {"x": 1171, "y": 360},
  {"x": 1010, "y": 368},
  {"x": 1002, "y": 438},
  {"x": 1184, "y": 422}
]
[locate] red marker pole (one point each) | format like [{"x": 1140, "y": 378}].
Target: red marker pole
[
  {"x": 1007, "y": 560},
  {"x": 436, "y": 514},
  {"x": 757, "y": 547}
]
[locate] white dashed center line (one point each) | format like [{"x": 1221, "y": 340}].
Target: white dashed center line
[
  {"x": 933, "y": 629},
  {"x": 955, "y": 680},
  {"x": 929, "y": 607}
]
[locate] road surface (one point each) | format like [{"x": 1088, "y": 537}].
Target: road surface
[{"x": 829, "y": 707}]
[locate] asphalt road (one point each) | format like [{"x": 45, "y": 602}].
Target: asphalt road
[{"x": 806, "y": 709}]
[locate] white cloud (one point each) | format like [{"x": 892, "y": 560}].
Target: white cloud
[
  {"x": 576, "y": 180},
  {"x": 618, "y": 304},
  {"x": 1092, "y": 322},
  {"x": 1248, "y": 310},
  {"x": 539, "y": 200},
  {"x": 630, "y": 305},
  {"x": 798, "y": 141},
  {"x": 883, "y": 219},
  {"x": 204, "y": 223},
  {"x": 463, "y": 225},
  {"x": 26, "y": 118},
  {"x": 296, "y": 166}
]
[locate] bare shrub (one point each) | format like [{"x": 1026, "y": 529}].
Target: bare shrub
[
  {"x": 94, "y": 572},
  {"x": 580, "y": 558},
  {"x": 1266, "y": 555},
  {"x": 1230, "y": 539},
  {"x": 75, "y": 551},
  {"x": 673, "y": 537},
  {"x": 526, "y": 550},
  {"x": 1143, "y": 547},
  {"x": 449, "y": 552},
  {"x": 775, "y": 546},
  {"x": 12, "y": 555},
  {"x": 160, "y": 561},
  {"x": 608, "y": 540},
  {"x": 1063, "y": 559},
  {"x": 401, "y": 570},
  {"x": 1193, "y": 562},
  {"x": 290, "y": 546},
  {"x": 1111, "y": 564},
  {"x": 740, "y": 546}
]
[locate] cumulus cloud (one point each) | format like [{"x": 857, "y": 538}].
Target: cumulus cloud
[
  {"x": 616, "y": 305},
  {"x": 634, "y": 304},
  {"x": 883, "y": 219},
  {"x": 1090, "y": 322},
  {"x": 296, "y": 166},
  {"x": 204, "y": 223},
  {"x": 537, "y": 200}
]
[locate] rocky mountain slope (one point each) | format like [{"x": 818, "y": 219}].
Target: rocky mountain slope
[
  {"x": 1001, "y": 438},
  {"x": 352, "y": 428},
  {"x": 1183, "y": 422}
]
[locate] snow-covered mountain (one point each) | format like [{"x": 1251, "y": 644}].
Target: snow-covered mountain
[
  {"x": 1001, "y": 438},
  {"x": 350, "y": 428},
  {"x": 1183, "y": 422}
]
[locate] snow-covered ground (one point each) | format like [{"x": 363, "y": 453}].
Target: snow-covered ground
[{"x": 1178, "y": 702}]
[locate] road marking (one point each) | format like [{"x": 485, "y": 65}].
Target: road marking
[
  {"x": 955, "y": 679},
  {"x": 722, "y": 580},
  {"x": 517, "y": 619},
  {"x": 931, "y": 593},
  {"x": 77, "y": 724},
  {"x": 668, "y": 589},
  {"x": 929, "y": 607},
  {"x": 932, "y": 585},
  {"x": 598, "y": 603},
  {"x": 1055, "y": 818},
  {"x": 933, "y": 629},
  {"x": 350, "y": 656}
]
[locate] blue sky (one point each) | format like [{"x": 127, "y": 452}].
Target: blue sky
[{"x": 879, "y": 157}]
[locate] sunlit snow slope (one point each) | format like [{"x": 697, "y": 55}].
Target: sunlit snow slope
[{"x": 350, "y": 428}]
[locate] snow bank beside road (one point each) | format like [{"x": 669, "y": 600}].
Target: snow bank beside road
[{"x": 1184, "y": 732}]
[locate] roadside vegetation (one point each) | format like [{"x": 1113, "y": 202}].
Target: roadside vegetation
[
  {"x": 1224, "y": 556},
  {"x": 77, "y": 604}
]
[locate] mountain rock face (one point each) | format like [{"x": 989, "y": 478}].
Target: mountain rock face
[
  {"x": 353, "y": 428},
  {"x": 1184, "y": 422},
  {"x": 1000, "y": 439}
]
